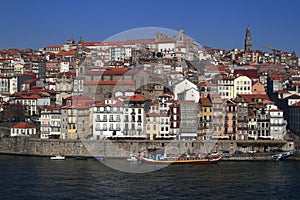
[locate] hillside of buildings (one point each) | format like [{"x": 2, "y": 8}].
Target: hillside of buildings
[{"x": 149, "y": 89}]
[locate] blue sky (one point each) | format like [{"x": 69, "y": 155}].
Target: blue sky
[{"x": 215, "y": 23}]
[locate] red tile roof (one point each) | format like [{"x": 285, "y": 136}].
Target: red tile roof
[
  {"x": 83, "y": 97},
  {"x": 117, "y": 104},
  {"x": 205, "y": 102},
  {"x": 206, "y": 84},
  {"x": 154, "y": 103},
  {"x": 250, "y": 97},
  {"x": 296, "y": 104},
  {"x": 277, "y": 77},
  {"x": 137, "y": 97},
  {"x": 33, "y": 96},
  {"x": 23, "y": 125},
  {"x": 109, "y": 83},
  {"x": 78, "y": 106},
  {"x": 251, "y": 73},
  {"x": 67, "y": 53}
]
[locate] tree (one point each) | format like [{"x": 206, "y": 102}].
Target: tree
[{"x": 14, "y": 112}]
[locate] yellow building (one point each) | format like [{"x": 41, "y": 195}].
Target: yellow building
[
  {"x": 76, "y": 123},
  {"x": 205, "y": 118},
  {"x": 152, "y": 125}
]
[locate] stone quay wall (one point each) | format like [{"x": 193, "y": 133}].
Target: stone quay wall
[{"x": 124, "y": 148}]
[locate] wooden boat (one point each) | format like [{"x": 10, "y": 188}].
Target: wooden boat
[
  {"x": 58, "y": 157},
  {"x": 182, "y": 160}
]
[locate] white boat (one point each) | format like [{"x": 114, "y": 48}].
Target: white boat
[
  {"x": 58, "y": 157},
  {"x": 132, "y": 159}
]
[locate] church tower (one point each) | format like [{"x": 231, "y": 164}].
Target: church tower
[
  {"x": 248, "y": 42},
  {"x": 181, "y": 39}
]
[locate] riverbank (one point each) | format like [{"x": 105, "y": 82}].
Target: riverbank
[{"x": 124, "y": 148}]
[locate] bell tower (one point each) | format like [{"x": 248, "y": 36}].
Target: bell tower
[{"x": 248, "y": 42}]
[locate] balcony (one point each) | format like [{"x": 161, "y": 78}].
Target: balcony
[
  {"x": 114, "y": 129},
  {"x": 262, "y": 120},
  {"x": 114, "y": 120},
  {"x": 101, "y": 120},
  {"x": 277, "y": 124}
]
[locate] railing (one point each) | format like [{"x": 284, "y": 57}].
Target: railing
[
  {"x": 277, "y": 124},
  {"x": 114, "y": 120},
  {"x": 101, "y": 120},
  {"x": 114, "y": 129},
  {"x": 242, "y": 120}
]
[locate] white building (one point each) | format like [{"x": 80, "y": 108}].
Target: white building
[
  {"x": 186, "y": 90},
  {"x": 226, "y": 88},
  {"x": 242, "y": 85},
  {"x": 31, "y": 102},
  {"x": 22, "y": 129},
  {"x": 50, "y": 123},
  {"x": 13, "y": 85},
  {"x": 134, "y": 116},
  {"x": 164, "y": 125},
  {"x": 64, "y": 66},
  {"x": 4, "y": 84},
  {"x": 108, "y": 119},
  {"x": 277, "y": 124}
]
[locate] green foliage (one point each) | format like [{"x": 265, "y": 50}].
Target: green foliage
[{"x": 13, "y": 113}]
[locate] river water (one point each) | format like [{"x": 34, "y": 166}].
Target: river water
[{"x": 25, "y": 177}]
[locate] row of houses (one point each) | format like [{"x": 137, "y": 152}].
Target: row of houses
[{"x": 246, "y": 117}]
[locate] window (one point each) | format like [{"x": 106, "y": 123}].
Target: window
[{"x": 154, "y": 127}]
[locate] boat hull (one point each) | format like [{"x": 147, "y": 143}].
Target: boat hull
[
  {"x": 57, "y": 158},
  {"x": 181, "y": 162},
  {"x": 80, "y": 158}
]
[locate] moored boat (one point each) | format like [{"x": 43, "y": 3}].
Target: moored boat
[
  {"x": 132, "y": 159},
  {"x": 81, "y": 158},
  {"x": 58, "y": 157},
  {"x": 181, "y": 160},
  {"x": 282, "y": 156},
  {"x": 98, "y": 158}
]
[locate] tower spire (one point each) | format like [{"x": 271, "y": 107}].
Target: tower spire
[{"x": 248, "y": 42}]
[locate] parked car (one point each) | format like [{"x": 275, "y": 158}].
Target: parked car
[
  {"x": 226, "y": 154},
  {"x": 278, "y": 150},
  {"x": 238, "y": 152}
]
